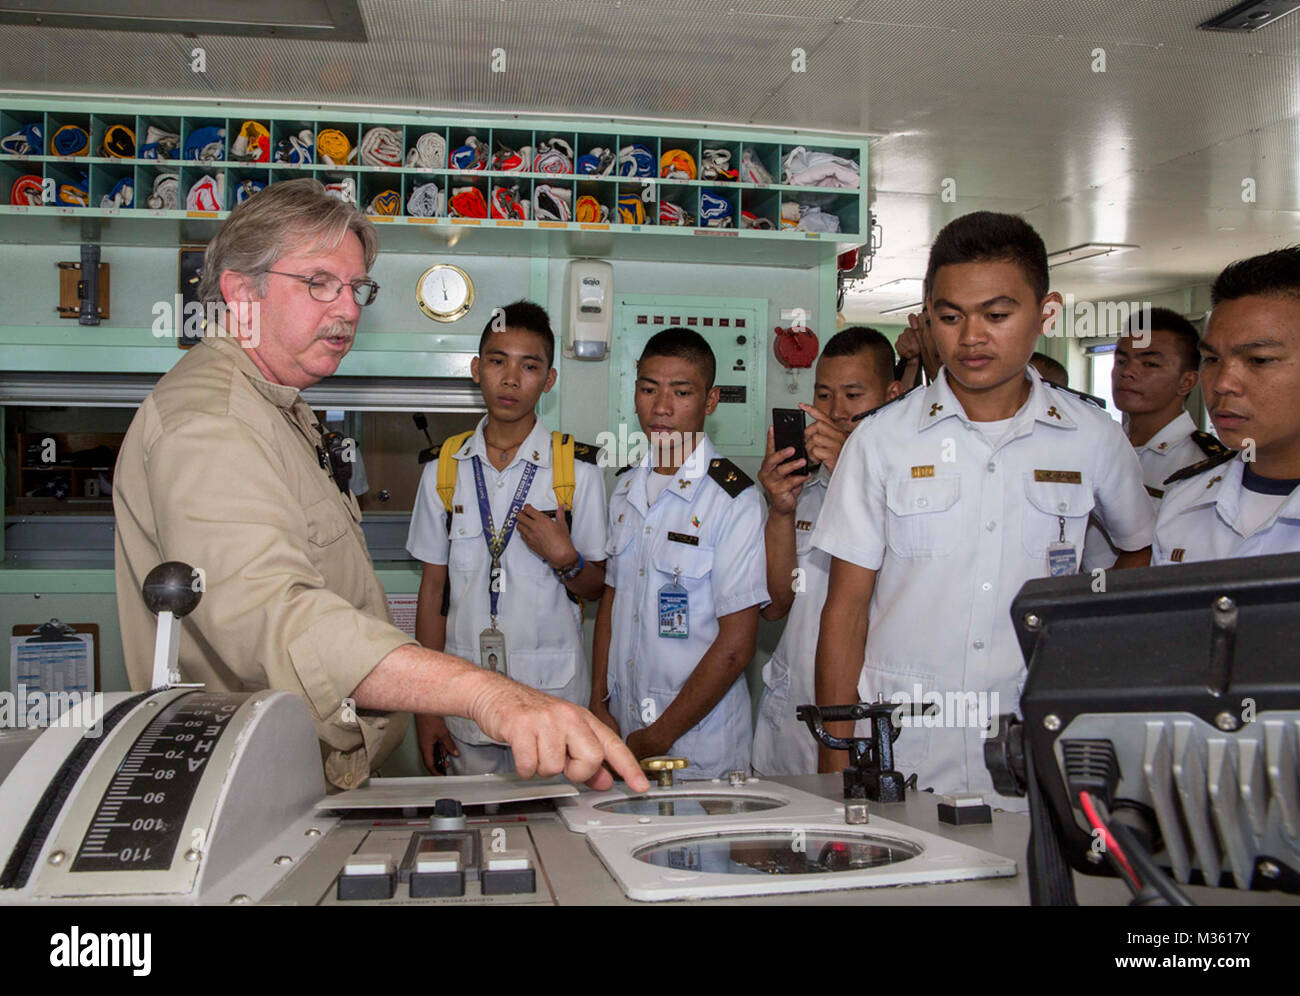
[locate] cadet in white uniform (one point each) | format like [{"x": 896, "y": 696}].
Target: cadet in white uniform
[
  {"x": 685, "y": 578},
  {"x": 942, "y": 507},
  {"x": 1155, "y": 370},
  {"x": 532, "y": 612},
  {"x": 1244, "y": 505},
  {"x": 855, "y": 374}
]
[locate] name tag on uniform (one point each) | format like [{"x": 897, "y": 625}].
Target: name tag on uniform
[
  {"x": 674, "y": 611},
  {"x": 925, "y": 471},
  {"x": 686, "y": 538},
  {"x": 1062, "y": 560},
  {"x": 1059, "y": 476}
]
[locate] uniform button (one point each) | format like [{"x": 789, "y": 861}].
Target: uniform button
[
  {"x": 647, "y": 530},
  {"x": 462, "y": 532},
  {"x": 347, "y": 778},
  {"x": 978, "y": 644},
  {"x": 986, "y": 586},
  {"x": 990, "y": 526},
  {"x": 1061, "y": 506},
  {"x": 922, "y": 502},
  {"x": 641, "y": 572},
  {"x": 381, "y": 724},
  {"x": 992, "y": 467},
  {"x": 501, "y": 484},
  {"x": 636, "y": 617}
]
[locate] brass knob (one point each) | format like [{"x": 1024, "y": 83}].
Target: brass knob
[{"x": 663, "y": 767}]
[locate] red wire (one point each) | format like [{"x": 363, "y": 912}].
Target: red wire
[{"x": 1110, "y": 841}]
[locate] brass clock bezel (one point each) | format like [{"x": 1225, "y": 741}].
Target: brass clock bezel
[{"x": 447, "y": 316}]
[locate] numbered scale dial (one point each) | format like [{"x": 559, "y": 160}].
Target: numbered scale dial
[{"x": 140, "y": 821}]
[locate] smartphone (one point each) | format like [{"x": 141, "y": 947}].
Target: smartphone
[{"x": 787, "y": 431}]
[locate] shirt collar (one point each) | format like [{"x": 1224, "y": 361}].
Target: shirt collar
[
  {"x": 685, "y": 482},
  {"x": 535, "y": 449},
  {"x": 1164, "y": 441},
  {"x": 1224, "y": 489},
  {"x": 280, "y": 395},
  {"x": 939, "y": 403}
]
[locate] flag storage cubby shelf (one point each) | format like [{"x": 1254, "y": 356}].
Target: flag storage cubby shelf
[{"x": 71, "y": 184}]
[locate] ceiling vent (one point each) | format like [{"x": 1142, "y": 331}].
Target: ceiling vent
[
  {"x": 1250, "y": 16},
  {"x": 324, "y": 20}
]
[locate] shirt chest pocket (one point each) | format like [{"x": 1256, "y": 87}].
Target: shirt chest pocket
[
  {"x": 923, "y": 516},
  {"x": 468, "y": 549},
  {"x": 1054, "y": 512},
  {"x": 327, "y": 522},
  {"x": 691, "y": 566}
]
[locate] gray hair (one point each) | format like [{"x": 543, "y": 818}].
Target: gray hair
[{"x": 291, "y": 216}]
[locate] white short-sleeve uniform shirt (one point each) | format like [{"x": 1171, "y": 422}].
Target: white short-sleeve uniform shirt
[
  {"x": 1218, "y": 513},
  {"x": 1170, "y": 450},
  {"x": 782, "y": 744},
  {"x": 955, "y": 523},
  {"x": 711, "y": 541},
  {"x": 542, "y": 626}
]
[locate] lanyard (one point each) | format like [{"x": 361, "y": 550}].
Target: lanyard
[{"x": 497, "y": 541}]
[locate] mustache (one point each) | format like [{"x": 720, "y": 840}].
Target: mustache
[{"x": 338, "y": 328}]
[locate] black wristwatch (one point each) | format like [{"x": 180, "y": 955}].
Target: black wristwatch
[{"x": 572, "y": 572}]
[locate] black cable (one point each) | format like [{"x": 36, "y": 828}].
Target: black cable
[{"x": 1153, "y": 876}]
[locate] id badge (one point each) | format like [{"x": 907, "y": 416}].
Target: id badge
[
  {"x": 492, "y": 650},
  {"x": 1062, "y": 560},
  {"x": 674, "y": 612}
]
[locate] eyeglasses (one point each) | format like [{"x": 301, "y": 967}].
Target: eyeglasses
[{"x": 325, "y": 287}]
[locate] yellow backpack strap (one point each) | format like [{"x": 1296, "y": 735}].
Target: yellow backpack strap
[
  {"x": 447, "y": 467},
  {"x": 562, "y": 468}
]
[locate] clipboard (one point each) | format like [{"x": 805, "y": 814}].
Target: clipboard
[{"x": 55, "y": 632}]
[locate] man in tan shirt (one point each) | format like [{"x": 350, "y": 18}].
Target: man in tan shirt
[{"x": 220, "y": 469}]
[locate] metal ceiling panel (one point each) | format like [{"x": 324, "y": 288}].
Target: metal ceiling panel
[{"x": 1000, "y": 96}]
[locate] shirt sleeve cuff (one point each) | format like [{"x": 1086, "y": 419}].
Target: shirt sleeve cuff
[{"x": 743, "y": 600}]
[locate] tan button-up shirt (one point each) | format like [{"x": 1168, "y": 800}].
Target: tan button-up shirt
[{"x": 219, "y": 470}]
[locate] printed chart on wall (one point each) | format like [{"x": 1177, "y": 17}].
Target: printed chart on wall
[{"x": 54, "y": 657}]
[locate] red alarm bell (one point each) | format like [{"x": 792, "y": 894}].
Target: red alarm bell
[{"x": 795, "y": 347}]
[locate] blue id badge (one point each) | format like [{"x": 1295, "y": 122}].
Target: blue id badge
[
  {"x": 674, "y": 611},
  {"x": 1062, "y": 560}
]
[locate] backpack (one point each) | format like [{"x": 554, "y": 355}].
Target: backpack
[{"x": 562, "y": 478}]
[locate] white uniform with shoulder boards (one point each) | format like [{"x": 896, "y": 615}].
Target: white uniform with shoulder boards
[
  {"x": 542, "y": 625},
  {"x": 1221, "y": 508},
  {"x": 679, "y": 562},
  {"x": 955, "y": 516}
]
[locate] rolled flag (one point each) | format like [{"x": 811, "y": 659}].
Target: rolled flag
[
  {"x": 26, "y": 141},
  {"x": 387, "y": 203},
  {"x": 635, "y": 160},
  {"x": 247, "y": 188},
  {"x": 207, "y": 194},
  {"x": 70, "y": 140},
  {"x": 252, "y": 144},
  {"x": 206, "y": 144},
  {"x": 425, "y": 201},
  {"x": 468, "y": 202},
  {"x": 122, "y": 195}
]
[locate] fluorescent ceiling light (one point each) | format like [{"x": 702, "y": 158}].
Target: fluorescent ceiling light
[
  {"x": 914, "y": 306},
  {"x": 910, "y": 286},
  {"x": 1087, "y": 250}
]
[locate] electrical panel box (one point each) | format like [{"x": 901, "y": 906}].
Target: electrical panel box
[{"x": 735, "y": 328}]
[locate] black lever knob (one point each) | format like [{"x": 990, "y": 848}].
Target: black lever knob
[{"x": 172, "y": 587}]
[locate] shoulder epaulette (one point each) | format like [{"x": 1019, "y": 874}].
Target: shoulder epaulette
[
  {"x": 859, "y": 418},
  {"x": 1209, "y": 444},
  {"x": 1199, "y": 468},
  {"x": 731, "y": 478},
  {"x": 430, "y": 453},
  {"x": 624, "y": 470},
  {"x": 1079, "y": 394},
  {"x": 585, "y": 452}
]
